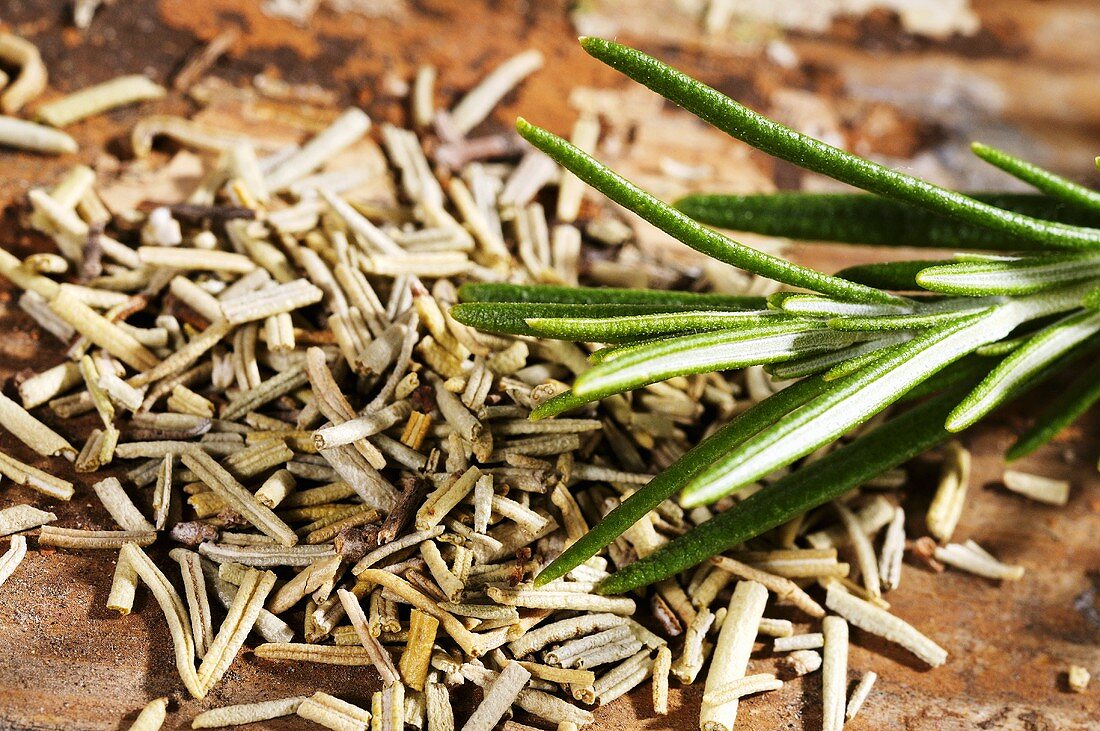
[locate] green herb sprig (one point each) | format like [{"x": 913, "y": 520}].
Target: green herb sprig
[{"x": 966, "y": 334}]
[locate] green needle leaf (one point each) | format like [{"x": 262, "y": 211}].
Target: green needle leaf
[
  {"x": 765, "y": 134},
  {"x": 1077, "y": 398},
  {"x": 1023, "y": 364},
  {"x": 1036, "y": 176},
  {"x": 850, "y": 402},
  {"x": 970, "y": 369},
  {"x": 895, "y": 275},
  {"x": 553, "y": 293},
  {"x": 861, "y": 361},
  {"x": 1022, "y": 276},
  {"x": 882, "y": 449},
  {"x": 916, "y": 321},
  {"x": 564, "y": 401},
  {"x": 858, "y": 218},
  {"x": 684, "y": 229},
  {"x": 1002, "y": 347},
  {"x": 811, "y": 305},
  {"x": 617, "y": 329},
  {"x": 819, "y": 362},
  {"x": 641, "y": 365},
  {"x": 512, "y": 317},
  {"x": 664, "y": 485}
]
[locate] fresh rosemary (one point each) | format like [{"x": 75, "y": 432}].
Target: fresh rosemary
[{"x": 966, "y": 335}]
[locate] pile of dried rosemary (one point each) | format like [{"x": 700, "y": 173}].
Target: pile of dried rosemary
[{"x": 285, "y": 396}]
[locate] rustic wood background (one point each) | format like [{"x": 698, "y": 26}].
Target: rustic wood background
[{"x": 1024, "y": 78}]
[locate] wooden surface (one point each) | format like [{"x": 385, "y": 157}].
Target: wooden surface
[{"x": 65, "y": 662}]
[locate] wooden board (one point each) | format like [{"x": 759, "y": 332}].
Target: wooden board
[{"x": 65, "y": 662}]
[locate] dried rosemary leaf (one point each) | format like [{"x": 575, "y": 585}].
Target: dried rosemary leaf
[
  {"x": 118, "y": 504},
  {"x": 333, "y": 713},
  {"x": 11, "y": 559},
  {"x": 19, "y": 518},
  {"x": 223, "y": 484},
  {"x": 32, "y": 432},
  {"x": 327, "y": 654},
  {"x": 242, "y": 615},
  {"x": 102, "y": 332},
  {"x": 45, "y": 483},
  {"x": 834, "y": 672},
  {"x": 24, "y": 135},
  {"x": 877, "y": 621},
  {"x": 417, "y": 654},
  {"x": 731, "y": 651},
  {"x": 1037, "y": 487},
  {"x": 94, "y": 539},
  {"x": 152, "y": 716},
  {"x": 245, "y": 713},
  {"x": 175, "y": 614},
  {"x": 99, "y": 98}
]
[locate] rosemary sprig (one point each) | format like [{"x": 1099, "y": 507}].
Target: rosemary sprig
[
  {"x": 974, "y": 331},
  {"x": 769, "y": 136}
]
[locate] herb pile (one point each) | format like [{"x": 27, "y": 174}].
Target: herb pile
[
  {"x": 862, "y": 340},
  {"x": 286, "y": 389}
]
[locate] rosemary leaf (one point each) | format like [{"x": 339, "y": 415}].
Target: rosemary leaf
[
  {"x": 553, "y": 293},
  {"x": 915, "y": 321},
  {"x": 1002, "y": 347},
  {"x": 862, "y": 360},
  {"x": 1044, "y": 180},
  {"x": 810, "y": 305},
  {"x": 971, "y": 368},
  {"x": 639, "y": 365},
  {"x": 818, "y": 362},
  {"x": 617, "y": 329},
  {"x": 512, "y": 317},
  {"x": 1021, "y": 276},
  {"x": 858, "y": 218}
]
